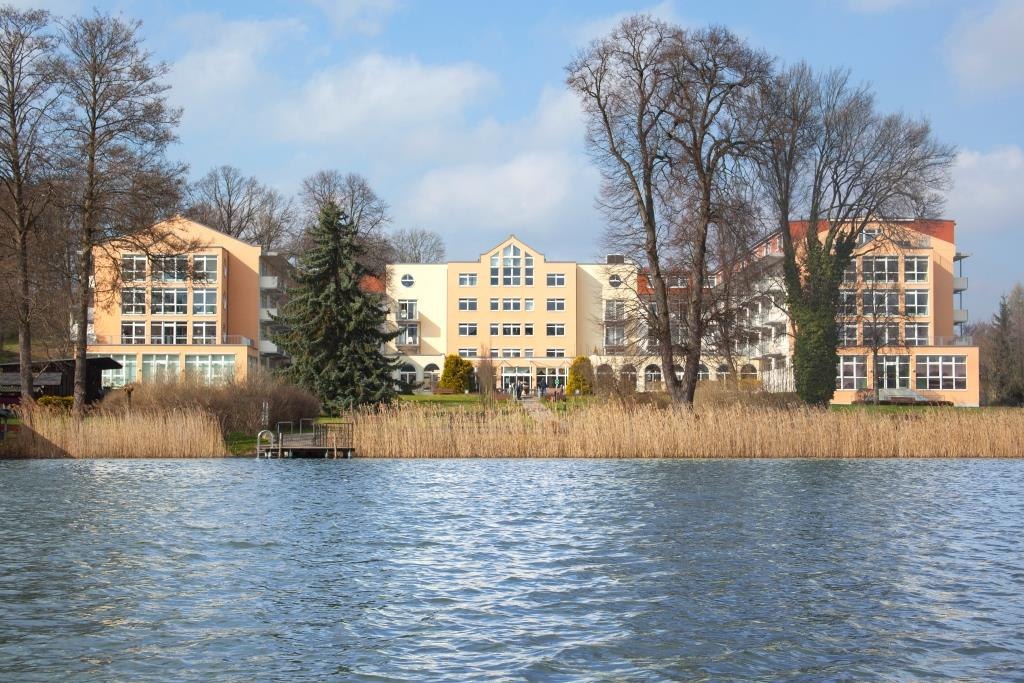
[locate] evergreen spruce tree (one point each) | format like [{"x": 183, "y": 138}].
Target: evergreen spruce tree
[{"x": 331, "y": 328}]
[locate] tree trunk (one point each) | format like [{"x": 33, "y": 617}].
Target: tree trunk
[
  {"x": 24, "y": 322},
  {"x": 82, "y": 320}
]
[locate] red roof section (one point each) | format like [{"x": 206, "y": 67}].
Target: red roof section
[{"x": 372, "y": 284}]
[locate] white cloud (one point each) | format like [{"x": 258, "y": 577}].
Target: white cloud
[
  {"x": 219, "y": 77},
  {"x": 987, "y": 189},
  {"x": 357, "y": 16},
  {"x": 604, "y": 25},
  {"x": 379, "y": 95},
  {"x": 987, "y": 49}
]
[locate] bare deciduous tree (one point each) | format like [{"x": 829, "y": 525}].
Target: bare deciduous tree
[
  {"x": 119, "y": 126},
  {"x": 241, "y": 206},
  {"x": 415, "y": 245},
  {"x": 28, "y": 99}
]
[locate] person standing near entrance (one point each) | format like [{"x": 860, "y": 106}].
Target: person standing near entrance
[
  {"x": 542, "y": 386},
  {"x": 519, "y": 391}
]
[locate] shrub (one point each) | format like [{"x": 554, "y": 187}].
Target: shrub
[
  {"x": 457, "y": 374},
  {"x": 58, "y": 402},
  {"x": 581, "y": 377},
  {"x": 237, "y": 406}
]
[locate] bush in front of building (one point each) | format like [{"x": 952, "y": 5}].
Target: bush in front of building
[
  {"x": 581, "y": 377},
  {"x": 457, "y": 375},
  {"x": 57, "y": 402}
]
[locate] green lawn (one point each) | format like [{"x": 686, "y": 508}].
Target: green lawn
[{"x": 441, "y": 399}]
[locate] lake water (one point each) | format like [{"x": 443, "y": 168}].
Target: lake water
[{"x": 537, "y": 570}]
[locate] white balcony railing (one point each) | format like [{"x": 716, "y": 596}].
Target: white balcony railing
[
  {"x": 959, "y": 284},
  {"x": 267, "y": 314},
  {"x": 959, "y": 315},
  {"x": 269, "y": 282},
  {"x": 269, "y": 347}
]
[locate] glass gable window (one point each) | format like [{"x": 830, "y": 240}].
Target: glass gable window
[
  {"x": 164, "y": 332},
  {"x": 204, "y": 302},
  {"x": 941, "y": 372},
  {"x": 516, "y": 267},
  {"x": 467, "y": 304},
  {"x": 893, "y": 372},
  {"x": 211, "y": 368},
  {"x": 879, "y": 302},
  {"x": 159, "y": 367},
  {"x": 915, "y": 268},
  {"x": 133, "y": 301},
  {"x": 467, "y": 329},
  {"x": 133, "y": 267},
  {"x": 916, "y": 301},
  {"x": 133, "y": 333},
  {"x": 169, "y": 301},
  {"x": 467, "y": 279},
  {"x": 170, "y": 268},
  {"x": 204, "y": 333},
  {"x": 881, "y": 269},
  {"x": 205, "y": 267},
  {"x": 852, "y": 373},
  {"x": 916, "y": 334}
]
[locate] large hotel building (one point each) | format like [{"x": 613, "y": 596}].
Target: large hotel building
[{"x": 209, "y": 314}]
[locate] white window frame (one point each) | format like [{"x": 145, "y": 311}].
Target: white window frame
[
  {"x": 847, "y": 335},
  {"x": 555, "y": 280},
  {"x": 511, "y": 304},
  {"x": 210, "y": 368},
  {"x": 408, "y": 335},
  {"x": 160, "y": 366},
  {"x": 467, "y": 304},
  {"x": 133, "y": 301},
  {"x": 851, "y": 373},
  {"x": 467, "y": 279},
  {"x": 467, "y": 329},
  {"x": 135, "y": 328},
  {"x": 901, "y": 376},
  {"x": 891, "y": 302},
  {"x": 467, "y": 353},
  {"x": 201, "y": 265},
  {"x": 890, "y": 271},
  {"x": 203, "y": 327},
  {"x": 494, "y": 329},
  {"x": 916, "y": 339},
  {"x": 511, "y": 330},
  {"x": 915, "y": 268},
  {"x": 495, "y": 304},
  {"x": 916, "y": 302},
  {"x": 158, "y": 332},
  {"x": 555, "y": 329},
  {"x": 527, "y": 304},
  {"x": 407, "y": 309},
  {"x": 941, "y": 373},
  {"x": 555, "y": 304},
  {"x": 554, "y": 353},
  {"x": 204, "y": 301},
  {"x": 133, "y": 267},
  {"x": 168, "y": 301},
  {"x": 177, "y": 272}
]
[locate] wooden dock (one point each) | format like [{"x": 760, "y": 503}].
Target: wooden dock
[{"x": 320, "y": 441}]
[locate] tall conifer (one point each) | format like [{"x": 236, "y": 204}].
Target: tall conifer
[{"x": 331, "y": 327}]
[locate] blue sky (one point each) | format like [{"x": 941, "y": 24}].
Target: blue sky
[{"x": 457, "y": 113}]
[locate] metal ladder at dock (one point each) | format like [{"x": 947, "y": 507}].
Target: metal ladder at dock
[{"x": 319, "y": 441}]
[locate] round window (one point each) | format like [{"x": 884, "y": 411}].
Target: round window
[
  {"x": 615, "y": 280},
  {"x": 407, "y": 280}
]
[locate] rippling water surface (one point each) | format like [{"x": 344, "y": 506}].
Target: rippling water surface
[{"x": 539, "y": 570}]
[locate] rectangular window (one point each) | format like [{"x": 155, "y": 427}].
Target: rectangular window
[
  {"x": 916, "y": 334},
  {"x": 495, "y": 305},
  {"x": 494, "y": 353},
  {"x": 556, "y": 279},
  {"x": 528, "y": 329},
  {"x": 916, "y": 301},
  {"x": 527, "y": 353},
  {"x": 527, "y": 304},
  {"x": 868, "y": 234},
  {"x": 847, "y": 335},
  {"x": 880, "y": 302},
  {"x": 467, "y": 304},
  {"x": 528, "y": 270},
  {"x": 511, "y": 353},
  {"x": 511, "y": 329},
  {"x": 408, "y": 335},
  {"x": 881, "y": 268},
  {"x": 881, "y": 335},
  {"x": 133, "y": 267},
  {"x": 915, "y": 268},
  {"x": 407, "y": 309},
  {"x": 495, "y": 270},
  {"x": 133, "y": 333},
  {"x": 511, "y": 304},
  {"x": 205, "y": 267},
  {"x": 133, "y": 301},
  {"x": 941, "y": 372},
  {"x": 892, "y": 372},
  {"x": 211, "y": 368},
  {"x": 847, "y": 302},
  {"x": 850, "y": 272},
  {"x": 204, "y": 302},
  {"x": 467, "y": 279},
  {"x": 170, "y": 268},
  {"x": 204, "y": 333},
  {"x": 555, "y": 353},
  {"x": 126, "y": 374},
  {"x": 495, "y": 329},
  {"x": 467, "y": 353},
  {"x": 614, "y": 335},
  {"x": 169, "y": 301},
  {"x": 556, "y": 304},
  {"x": 467, "y": 329},
  {"x": 556, "y": 329},
  {"x": 168, "y": 332},
  {"x": 614, "y": 309},
  {"x": 160, "y": 367},
  {"x": 852, "y": 373}
]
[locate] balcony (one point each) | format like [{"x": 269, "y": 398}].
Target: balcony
[
  {"x": 407, "y": 316},
  {"x": 962, "y": 340},
  {"x": 271, "y": 282},
  {"x": 225, "y": 340},
  {"x": 959, "y": 316},
  {"x": 959, "y": 284},
  {"x": 267, "y": 314},
  {"x": 269, "y": 348},
  {"x": 614, "y": 349}
]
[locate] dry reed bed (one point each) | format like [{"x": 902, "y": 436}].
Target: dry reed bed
[
  {"x": 140, "y": 434},
  {"x": 622, "y": 431}
]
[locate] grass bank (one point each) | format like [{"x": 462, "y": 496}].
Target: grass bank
[
  {"x": 139, "y": 434},
  {"x": 619, "y": 430}
]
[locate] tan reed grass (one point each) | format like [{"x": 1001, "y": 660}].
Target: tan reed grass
[
  {"x": 139, "y": 434},
  {"x": 616, "y": 430}
]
